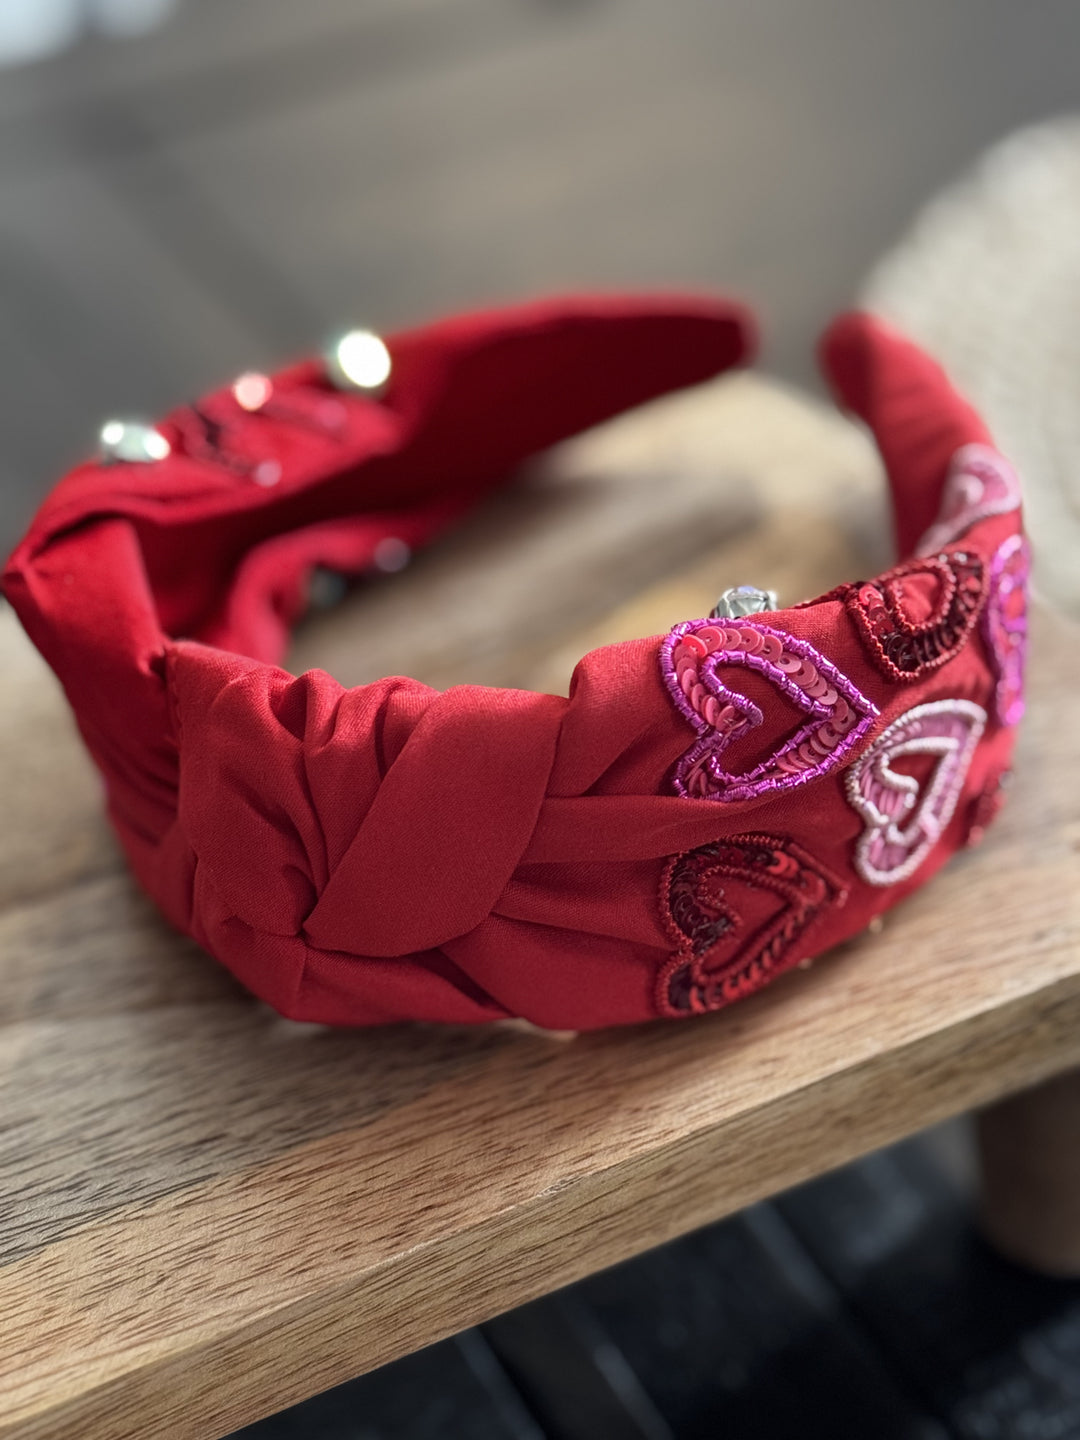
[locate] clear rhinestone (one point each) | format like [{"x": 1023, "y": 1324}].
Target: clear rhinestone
[
  {"x": 252, "y": 390},
  {"x": 743, "y": 600},
  {"x": 132, "y": 442},
  {"x": 358, "y": 360}
]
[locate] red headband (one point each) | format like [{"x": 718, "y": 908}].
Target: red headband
[{"x": 704, "y": 811}]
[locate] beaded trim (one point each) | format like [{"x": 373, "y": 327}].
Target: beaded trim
[
  {"x": 1005, "y": 626},
  {"x": 840, "y": 714},
  {"x": 980, "y": 483},
  {"x": 715, "y": 962},
  {"x": 906, "y": 648},
  {"x": 904, "y": 820}
]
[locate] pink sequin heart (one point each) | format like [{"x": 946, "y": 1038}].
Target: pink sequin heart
[
  {"x": 693, "y": 659},
  {"x": 905, "y": 819}
]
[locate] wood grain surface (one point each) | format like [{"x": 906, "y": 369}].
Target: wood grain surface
[{"x": 207, "y": 1213}]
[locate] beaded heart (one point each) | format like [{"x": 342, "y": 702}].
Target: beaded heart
[
  {"x": 918, "y": 616},
  {"x": 904, "y": 819},
  {"x": 692, "y": 656},
  {"x": 980, "y": 483},
  {"x": 737, "y": 909}
]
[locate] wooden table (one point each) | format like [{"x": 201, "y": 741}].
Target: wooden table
[{"x": 209, "y": 1213}]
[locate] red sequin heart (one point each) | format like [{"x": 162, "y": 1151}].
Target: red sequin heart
[
  {"x": 738, "y": 909},
  {"x": 918, "y": 615}
]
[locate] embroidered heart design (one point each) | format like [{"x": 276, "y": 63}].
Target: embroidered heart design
[
  {"x": 692, "y": 656},
  {"x": 726, "y": 952},
  {"x": 905, "y": 819},
  {"x": 1005, "y": 626},
  {"x": 918, "y": 615},
  {"x": 980, "y": 483}
]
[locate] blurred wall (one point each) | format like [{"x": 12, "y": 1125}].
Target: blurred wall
[{"x": 219, "y": 192}]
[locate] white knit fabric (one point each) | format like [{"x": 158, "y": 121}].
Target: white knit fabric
[{"x": 988, "y": 278}]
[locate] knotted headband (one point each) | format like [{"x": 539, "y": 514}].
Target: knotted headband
[{"x": 705, "y": 810}]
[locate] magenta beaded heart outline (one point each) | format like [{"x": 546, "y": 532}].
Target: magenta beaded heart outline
[
  {"x": 838, "y": 713},
  {"x": 1005, "y": 626}
]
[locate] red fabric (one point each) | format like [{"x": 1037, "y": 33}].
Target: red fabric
[{"x": 388, "y": 852}]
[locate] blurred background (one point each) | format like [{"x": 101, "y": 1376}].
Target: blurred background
[{"x": 193, "y": 188}]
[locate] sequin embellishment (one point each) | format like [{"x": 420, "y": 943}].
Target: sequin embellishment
[
  {"x": 918, "y": 616},
  {"x": 737, "y": 909},
  {"x": 1005, "y": 626},
  {"x": 905, "y": 817},
  {"x": 691, "y": 659}
]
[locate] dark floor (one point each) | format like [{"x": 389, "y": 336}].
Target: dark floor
[{"x": 860, "y": 1307}]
